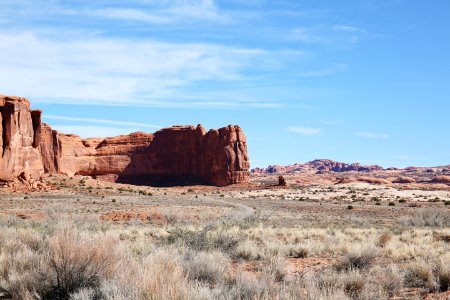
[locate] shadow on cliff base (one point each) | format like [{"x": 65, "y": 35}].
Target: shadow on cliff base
[
  {"x": 161, "y": 180},
  {"x": 149, "y": 167}
]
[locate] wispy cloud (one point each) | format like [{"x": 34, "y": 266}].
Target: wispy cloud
[
  {"x": 131, "y": 15},
  {"x": 117, "y": 71},
  {"x": 157, "y": 12},
  {"x": 99, "y": 121},
  {"x": 346, "y": 28},
  {"x": 331, "y": 35},
  {"x": 165, "y": 12},
  {"x": 306, "y": 131},
  {"x": 307, "y": 35},
  {"x": 372, "y": 135}
]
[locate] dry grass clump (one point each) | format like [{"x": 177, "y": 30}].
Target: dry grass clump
[
  {"x": 248, "y": 250},
  {"x": 357, "y": 258},
  {"x": 384, "y": 238},
  {"x": 206, "y": 267},
  {"x": 420, "y": 274},
  {"x": 390, "y": 278},
  {"x": 428, "y": 217},
  {"x": 275, "y": 267},
  {"x": 432, "y": 275},
  {"x": 297, "y": 252},
  {"x": 57, "y": 266},
  {"x": 442, "y": 271},
  {"x": 203, "y": 239}
]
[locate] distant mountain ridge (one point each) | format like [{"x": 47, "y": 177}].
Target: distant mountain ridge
[{"x": 318, "y": 165}]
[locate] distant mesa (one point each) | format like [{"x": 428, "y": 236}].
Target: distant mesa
[
  {"x": 404, "y": 180},
  {"x": 441, "y": 179},
  {"x": 370, "y": 180},
  {"x": 178, "y": 155},
  {"x": 319, "y": 166}
]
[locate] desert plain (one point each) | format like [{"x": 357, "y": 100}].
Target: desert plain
[{"x": 324, "y": 235}]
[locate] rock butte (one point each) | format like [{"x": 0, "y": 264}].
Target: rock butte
[{"x": 179, "y": 155}]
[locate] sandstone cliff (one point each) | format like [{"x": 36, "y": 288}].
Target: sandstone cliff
[
  {"x": 177, "y": 155},
  {"x": 19, "y": 145}
]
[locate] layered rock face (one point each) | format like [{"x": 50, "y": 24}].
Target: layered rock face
[
  {"x": 19, "y": 145},
  {"x": 188, "y": 154},
  {"x": 178, "y": 155}
]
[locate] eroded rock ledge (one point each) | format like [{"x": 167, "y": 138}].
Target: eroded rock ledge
[{"x": 178, "y": 155}]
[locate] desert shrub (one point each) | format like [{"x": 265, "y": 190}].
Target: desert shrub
[
  {"x": 65, "y": 264},
  {"x": 275, "y": 267},
  {"x": 389, "y": 278},
  {"x": 428, "y": 217},
  {"x": 419, "y": 274},
  {"x": 243, "y": 219},
  {"x": 162, "y": 277},
  {"x": 327, "y": 280},
  {"x": 75, "y": 262},
  {"x": 205, "y": 267},
  {"x": 205, "y": 239},
  {"x": 326, "y": 284},
  {"x": 297, "y": 252},
  {"x": 360, "y": 258},
  {"x": 350, "y": 207},
  {"x": 353, "y": 283},
  {"x": 245, "y": 286},
  {"x": 384, "y": 238},
  {"x": 248, "y": 250},
  {"x": 442, "y": 273}
]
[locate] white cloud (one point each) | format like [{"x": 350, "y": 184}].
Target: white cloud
[
  {"x": 100, "y": 121},
  {"x": 347, "y": 28},
  {"x": 331, "y": 35},
  {"x": 131, "y": 15},
  {"x": 157, "y": 12},
  {"x": 165, "y": 12},
  {"x": 307, "y": 131},
  {"x": 93, "y": 131},
  {"x": 372, "y": 135},
  {"x": 306, "y": 35},
  {"x": 113, "y": 71}
]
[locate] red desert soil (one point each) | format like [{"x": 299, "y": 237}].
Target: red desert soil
[{"x": 301, "y": 265}]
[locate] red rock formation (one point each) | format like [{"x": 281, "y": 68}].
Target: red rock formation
[
  {"x": 175, "y": 155},
  {"x": 319, "y": 165},
  {"x": 404, "y": 180},
  {"x": 20, "y": 138}
]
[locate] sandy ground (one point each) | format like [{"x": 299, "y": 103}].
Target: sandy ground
[{"x": 315, "y": 201}]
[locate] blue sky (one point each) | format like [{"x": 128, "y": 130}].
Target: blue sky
[{"x": 350, "y": 80}]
